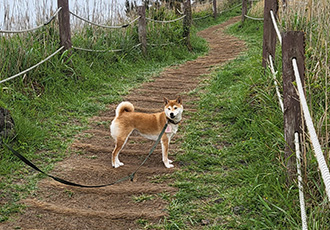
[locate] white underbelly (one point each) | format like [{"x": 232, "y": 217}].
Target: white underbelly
[{"x": 150, "y": 136}]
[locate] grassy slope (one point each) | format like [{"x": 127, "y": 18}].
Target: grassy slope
[{"x": 232, "y": 176}]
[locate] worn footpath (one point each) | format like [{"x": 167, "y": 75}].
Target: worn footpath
[{"x": 57, "y": 206}]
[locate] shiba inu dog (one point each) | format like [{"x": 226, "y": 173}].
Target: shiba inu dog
[{"x": 148, "y": 125}]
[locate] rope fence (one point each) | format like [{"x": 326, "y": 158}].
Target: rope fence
[
  {"x": 170, "y": 21},
  {"x": 276, "y": 27},
  {"x": 296, "y": 134},
  {"x": 199, "y": 18},
  {"x": 104, "y": 51},
  {"x": 227, "y": 10},
  {"x": 253, "y": 18},
  {"x": 65, "y": 44},
  {"x": 312, "y": 133},
  {"x": 79, "y": 48},
  {"x": 97, "y": 51},
  {"x": 322, "y": 165},
  {"x": 33, "y": 67},
  {"x": 300, "y": 184},
  {"x": 35, "y": 28},
  {"x": 275, "y": 83},
  {"x": 104, "y": 26},
  {"x": 221, "y": 12},
  {"x": 119, "y": 27}
]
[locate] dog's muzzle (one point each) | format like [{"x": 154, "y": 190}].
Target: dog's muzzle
[{"x": 172, "y": 115}]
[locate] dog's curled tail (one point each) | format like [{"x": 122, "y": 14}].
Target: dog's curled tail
[{"x": 125, "y": 106}]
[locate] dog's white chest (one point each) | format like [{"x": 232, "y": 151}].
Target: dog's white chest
[{"x": 170, "y": 131}]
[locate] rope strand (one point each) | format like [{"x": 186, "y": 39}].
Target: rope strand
[
  {"x": 174, "y": 20},
  {"x": 32, "y": 29},
  {"x": 311, "y": 129},
  {"x": 104, "y": 26},
  {"x": 32, "y": 67}
]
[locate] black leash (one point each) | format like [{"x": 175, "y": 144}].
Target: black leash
[{"x": 131, "y": 177}]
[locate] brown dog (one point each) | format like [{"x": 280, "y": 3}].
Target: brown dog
[{"x": 148, "y": 125}]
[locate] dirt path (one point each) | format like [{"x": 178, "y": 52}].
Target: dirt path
[{"x": 56, "y": 206}]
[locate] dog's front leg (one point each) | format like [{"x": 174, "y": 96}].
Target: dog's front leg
[{"x": 165, "y": 144}]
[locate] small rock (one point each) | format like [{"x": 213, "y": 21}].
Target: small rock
[
  {"x": 205, "y": 222},
  {"x": 218, "y": 201},
  {"x": 238, "y": 209}
]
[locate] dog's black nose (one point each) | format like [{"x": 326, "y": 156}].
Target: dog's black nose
[{"x": 172, "y": 115}]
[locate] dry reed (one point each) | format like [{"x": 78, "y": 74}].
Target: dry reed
[{"x": 22, "y": 14}]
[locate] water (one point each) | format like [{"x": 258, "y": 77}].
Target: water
[{"x": 22, "y": 14}]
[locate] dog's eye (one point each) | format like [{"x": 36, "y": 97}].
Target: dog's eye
[
  {"x": 175, "y": 107},
  {"x": 169, "y": 108}
]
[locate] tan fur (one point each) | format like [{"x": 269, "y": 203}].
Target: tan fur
[{"x": 149, "y": 125}]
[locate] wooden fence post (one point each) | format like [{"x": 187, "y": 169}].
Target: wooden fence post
[
  {"x": 293, "y": 46},
  {"x": 215, "y": 9},
  {"x": 187, "y": 22},
  {"x": 244, "y": 9},
  {"x": 142, "y": 28},
  {"x": 269, "y": 37},
  {"x": 64, "y": 24}
]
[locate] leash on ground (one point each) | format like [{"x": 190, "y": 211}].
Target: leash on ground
[{"x": 131, "y": 176}]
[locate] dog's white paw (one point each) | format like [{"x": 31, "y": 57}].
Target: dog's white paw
[
  {"x": 168, "y": 165},
  {"x": 170, "y": 161},
  {"x": 118, "y": 164}
]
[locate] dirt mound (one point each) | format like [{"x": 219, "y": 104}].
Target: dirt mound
[{"x": 57, "y": 206}]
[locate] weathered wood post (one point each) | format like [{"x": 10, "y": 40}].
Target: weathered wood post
[
  {"x": 244, "y": 9},
  {"x": 142, "y": 28},
  {"x": 64, "y": 24},
  {"x": 293, "y": 46},
  {"x": 215, "y": 9},
  {"x": 187, "y": 22},
  {"x": 269, "y": 37}
]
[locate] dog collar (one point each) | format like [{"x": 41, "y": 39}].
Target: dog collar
[{"x": 173, "y": 122}]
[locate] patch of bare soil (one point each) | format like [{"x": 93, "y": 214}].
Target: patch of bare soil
[{"x": 57, "y": 206}]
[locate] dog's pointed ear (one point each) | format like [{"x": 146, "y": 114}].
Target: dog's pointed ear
[
  {"x": 179, "y": 100},
  {"x": 165, "y": 100}
]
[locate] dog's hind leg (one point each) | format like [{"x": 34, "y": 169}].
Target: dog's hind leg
[{"x": 120, "y": 143}]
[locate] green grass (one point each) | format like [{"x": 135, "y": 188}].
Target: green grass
[
  {"x": 51, "y": 104},
  {"x": 233, "y": 174}
]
